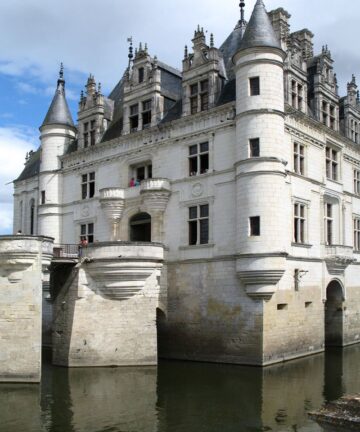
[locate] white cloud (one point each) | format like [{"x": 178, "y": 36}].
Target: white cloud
[
  {"x": 15, "y": 141},
  {"x": 26, "y": 88}
]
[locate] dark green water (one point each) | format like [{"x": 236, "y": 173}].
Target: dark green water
[{"x": 179, "y": 397}]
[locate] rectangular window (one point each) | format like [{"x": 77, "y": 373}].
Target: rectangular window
[
  {"x": 198, "y": 159},
  {"x": 325, "y": 113},
  {"x": 299, "y": 158},
  {"x": 134, "y": 118},
  {"x": 254, "y": 86},
  {"x": 357, "y": 182},
  {"x": 198, "y": 224},
  {"x": 194, "y": 98},
  {"x": 43, "y": 198},
  {"x": 254, "y": 145},
  {"x": 141, "y": 75},
  {"x": 86, "y": 134},
  {"x": 146, "y": 114},
  {"x": 204, "y": 95},
  {"x": 254, "y": 226},
  {"x": 332, "y": 164},
  {"x": 140, "y": 172},
  {"x": 329, "y": 224},
  {"x": 87, "y": 185},
  {"x": 357, "y": 234},
  {"x": 87, "y": 232},
  {"x": 332, "y": 117},
  {"x": 299, "y": 223}
]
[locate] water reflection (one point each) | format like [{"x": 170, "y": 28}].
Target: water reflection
[{"x": 180, "y": 397}]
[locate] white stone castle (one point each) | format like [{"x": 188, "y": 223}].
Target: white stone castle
[{"x": 218, "y": 208}]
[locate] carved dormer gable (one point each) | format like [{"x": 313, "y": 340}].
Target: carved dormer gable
[
  {"x": 150, "y": 89},
  {"x": 280, "y": 22},
  {"x": 350, "y": 112},
  {"x": 95, "y": 113},
  {"x": 323, "y": 89},
  {"x": 203, "y": 75}
]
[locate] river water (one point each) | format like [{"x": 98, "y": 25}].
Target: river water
[{"x": 181, "y": 397}]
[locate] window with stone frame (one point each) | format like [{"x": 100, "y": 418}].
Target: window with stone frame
[
  {"x": 332, "y": 163},
  {"x": 134, "y": 117},
  {"x": 325, "y": 114},
  {"x": 299, "y": 223},
  {"x": 357, "y": 182},
  {"x": 199, "y": 96},
  {"x": 43, "y": 197},
  {"x": 87, "y": 185},
  {"x": 332, "y": 117},
  {"x": 92, "y": 132},
  {"x": 198, "y": 159},
  {"x": 141, "y": 171},
  {"x": 254, "y": 147},
  {"x": 297, "y": 91},
  {"x": 329, "y": 224},
  {"x": 357, "y": 234},
  {"x": 299, "y": 158},
  {"x": 254, "y": 85},
  {"x": 354, "y": 131},
  {"x": 254, "y": 226},
  {"x": 198, "y": 224},
  {"x": 87, "y": 232},
  {"x": 146, "y": 114}
]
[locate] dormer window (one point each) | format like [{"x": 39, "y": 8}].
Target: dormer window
[
  {"x": 134, "y": 117},
  {"x": 146, "y": 114},
  {"x": 296, "y": 95},
  {"x": 141, "y": 75},
  {"x": 92, "y": 132},
  {"x": 199, "y": 96}
]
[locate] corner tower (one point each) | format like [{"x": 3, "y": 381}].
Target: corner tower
[
  {"x": 262, "y": 202},
  {"x": 56, "y": 133}
]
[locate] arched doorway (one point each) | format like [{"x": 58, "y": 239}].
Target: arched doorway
[
  {"x": 140, "y": 228},
  {"x": 334, "y": 314}
]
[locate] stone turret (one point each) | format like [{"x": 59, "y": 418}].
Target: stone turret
[
  {"x": 263, "y": 232},
  {"x": 57, "y": 132}
]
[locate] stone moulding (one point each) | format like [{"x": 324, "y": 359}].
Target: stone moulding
[
  {"x": 260, "y": 284},
  {"x": 337, "y": 265},
  {"x": 121, "y": 269}
]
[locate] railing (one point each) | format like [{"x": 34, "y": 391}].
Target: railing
[
  {"x": 66, "y": 251},
  {"x": 338, "y": 250}
]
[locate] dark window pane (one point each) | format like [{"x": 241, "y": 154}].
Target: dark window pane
[
  {"x": 140, "y": 173},
  {"x": 193, "y": 89},
  {"x": 255, "y": 147},
  {"x": 91, "y": 189},
  {"x": 83, "y": 229},
  {"x": 90, "y": 239},
  {"x": 193, "y": 149},
  {"x": 146, "y": 117},
  {"x": 204, "y": 163},
  {"x": 193, "y": 166},
  {"x": 147, "y": 105},
  {"x": 254, "y": 86},
  {"x": 192, "y": 212},
  {"x": 84, "y": 191},
  {"x": 193, "y": 232},
  {"x": 204, "y": 85},
  {"x": 204, "y": 147},
  {"x": 134, "y": 109},
  {"x": 134, "y": 123},
  {"x": 150, "y": 171},
  {"x": 255, "y": 226},
  {"x": 84, "y": 178},
  {"x": 204, "y": 231},
  {"x": 92, "y": 176},
  {"x": 193, "y": 105},
  {"x": 204, "y": 102},
  {"x": 204, "y": 210},
  {"x": 141, "y": 75},
  {"x": 92, "y": 138},
  {"x": 91, "y": 228}
]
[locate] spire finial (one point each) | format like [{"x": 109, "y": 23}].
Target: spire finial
[
  {"x": 358, "y": 97},
  {"x": 242, "y": 11},
  {"x": 130, "y": 55},
  {"x": 211, "y": 41},
  {"x": 61, "y": 72},
  {"x": 186, "y": 52}
]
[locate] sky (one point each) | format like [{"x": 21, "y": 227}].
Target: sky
[{"x": 89, "y": 36}]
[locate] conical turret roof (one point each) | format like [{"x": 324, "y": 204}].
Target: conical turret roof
[
  {"x": 259, "y": 32},
  {"x": 59, "y": 112}
]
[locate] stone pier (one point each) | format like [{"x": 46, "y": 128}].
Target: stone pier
[
  {"x": 22, "y": 262},
  {"x": 105, "y": 313}
]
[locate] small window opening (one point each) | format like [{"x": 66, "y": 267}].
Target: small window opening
[
  {"x": 254, "y": 86},
  {"x": 255, "y": 226},
  {"x": 254, "y": 147}
]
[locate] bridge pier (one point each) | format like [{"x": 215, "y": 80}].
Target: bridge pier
[{"x": 23, "y": 259}]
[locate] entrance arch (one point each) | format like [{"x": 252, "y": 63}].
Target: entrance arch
[
  {"x": 140, "y": 228},
  {"x": 334, "y": 319}
]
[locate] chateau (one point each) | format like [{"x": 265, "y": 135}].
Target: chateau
[{"x": 218, "y": 207}]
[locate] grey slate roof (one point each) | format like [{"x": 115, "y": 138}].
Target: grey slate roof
[
  {"x": 230, "y": 46},
  {"x": 32, "y": 167},
  {"x": 259, "y": 32},
  {"x": 59, "y": 112}
]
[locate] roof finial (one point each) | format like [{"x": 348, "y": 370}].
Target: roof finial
[
  {"x": 211, "y": 41},
  {"x": 358, "y": 97},
  {"x": 242, "y": 11},
  {"x": 130, "y": 55},
  {"x": 61, "y": 72},
  {"x": 186, "y": 52}
]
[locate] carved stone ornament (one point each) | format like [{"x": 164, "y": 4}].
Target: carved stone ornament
[
  {"x": 260, "y": 284},
  {"x": 337, "y": 264}
]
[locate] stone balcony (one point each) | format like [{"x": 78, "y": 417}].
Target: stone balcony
[{"x": 337, "y": 258}]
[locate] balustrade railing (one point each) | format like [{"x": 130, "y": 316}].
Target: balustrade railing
[{"x": 66, "y": 251}]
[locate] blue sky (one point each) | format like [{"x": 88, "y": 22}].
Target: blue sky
[{"x": 90, "y": 37}]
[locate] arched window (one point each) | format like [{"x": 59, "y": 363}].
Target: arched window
[
  {"x": 32, "y": 216},
  {"x": 140, "y": 228}
]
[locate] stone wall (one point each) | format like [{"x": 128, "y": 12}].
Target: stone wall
[
  {"x": 105, "y": 313},
  {"x": 22, "y": 260}
]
